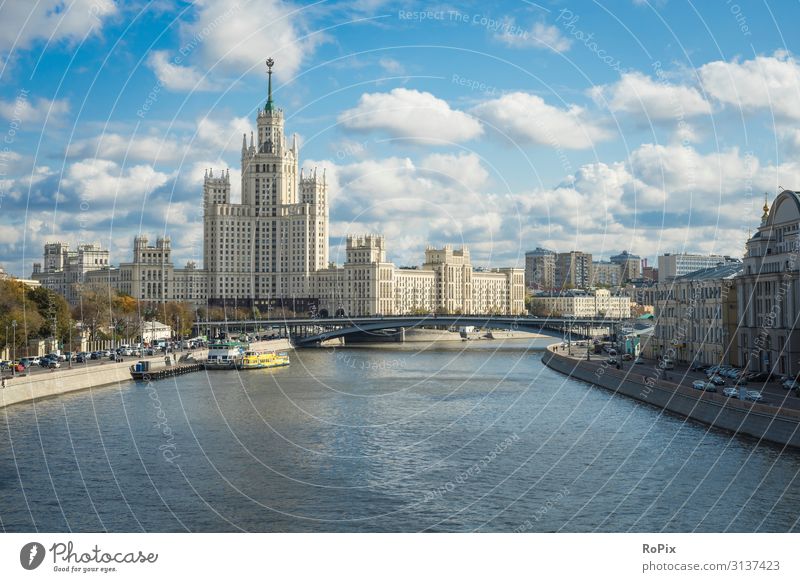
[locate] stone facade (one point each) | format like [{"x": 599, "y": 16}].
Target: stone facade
[
  {"x": 65, "y": 270},
  {"x": 367, "y": 284},
  {"x": 769, "y": 291},
  {"x": 691, "y": 316},
  {"x": 578, "y": 303}
]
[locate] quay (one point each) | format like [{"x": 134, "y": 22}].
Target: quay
[
  {"x": 138, "y": 373},
  {"x": 41, "y": 384},
  {"x": 776, "y": 421}
]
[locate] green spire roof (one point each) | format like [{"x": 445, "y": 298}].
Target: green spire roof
[{"x": 269, "y": 106}]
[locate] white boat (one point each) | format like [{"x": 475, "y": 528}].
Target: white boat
[{"x": 225, "y": 355}]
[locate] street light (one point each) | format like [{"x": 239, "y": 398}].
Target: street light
[{"x": 14, "y": 344}]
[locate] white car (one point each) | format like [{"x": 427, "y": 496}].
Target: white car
[
  {"x": 731, "y": 392},
  {"x": 698, "y": 385},
  {"x": 753, "y": 395}
]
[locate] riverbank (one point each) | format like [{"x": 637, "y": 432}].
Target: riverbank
[
  {"x": 776, "y": 424},
  {"x": 92, "y": 374}
]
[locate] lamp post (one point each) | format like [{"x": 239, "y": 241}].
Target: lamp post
[{"x": 14, "y": 344}]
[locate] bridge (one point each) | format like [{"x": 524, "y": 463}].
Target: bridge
[{"x": 311, "y": 331}]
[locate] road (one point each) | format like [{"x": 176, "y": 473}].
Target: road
[{"x": 774, "y": 394}]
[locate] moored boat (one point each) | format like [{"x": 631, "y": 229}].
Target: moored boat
[
  {"x": 254, "y": 360},
  {"x": 226, "y": 355}
]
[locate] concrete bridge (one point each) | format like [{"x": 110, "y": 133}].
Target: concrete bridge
[{"x": 312, "y": 331}]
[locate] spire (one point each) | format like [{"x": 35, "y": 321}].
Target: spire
[
  {"x": 766, "y": 208},
  {"x": 269, "y": 106}
]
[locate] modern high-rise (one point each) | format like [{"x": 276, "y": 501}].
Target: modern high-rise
[
  {"x": 671, "y": 265},
  {"x": 606, "y": 273},
  {"x": 573, "y": 270},
  {"x": 540, "y": 268},
  {"x": 264, "y": 248},
  {"x": 630, "y": 264}
]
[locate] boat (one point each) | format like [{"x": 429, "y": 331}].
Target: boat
[
  {"x": 254, "y": 360},
  {"x": 225, "y": 355}
]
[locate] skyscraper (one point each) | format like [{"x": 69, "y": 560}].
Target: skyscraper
[{"x": 264, "y": 248}]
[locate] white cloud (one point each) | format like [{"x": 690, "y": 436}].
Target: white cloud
[
  {"x": 223, "y": 135},
  {"x": 24, "y": 110},
  {"x": 101, "y": 181},
  {"x": 462, "y": 169},
  {"x": 208, "y": 137},
  {"x": 527, "y": 118},
  {"x": 540, "y": 35},
  {"x": 411, "y": 114},
  {"x": 115, "y": 146},
  {"x": 176, "y": 77},
  {"x": 238, "y": 35},
  {"x": 440, "y": 199},
  {"x": 766, "y": 82},
  {"x": 639, "y": 95},
  {"x": 51, "y": 20},
  {"x": 392, "y": 66}
]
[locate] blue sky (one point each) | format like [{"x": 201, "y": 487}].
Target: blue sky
[{"x": 650, "y": 126}]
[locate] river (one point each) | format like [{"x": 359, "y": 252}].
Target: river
[{"x": 476, "y": 436}]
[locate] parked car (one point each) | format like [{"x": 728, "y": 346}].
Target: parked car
[
  {"x": 698, "y": 368},
  {"x": 717, "y": 380},
  {"x": 627, "y": 357},
  {"x": 612, "y": 361},
  {"x": 791, "y": 384},
  {"x": 81, "y": 358},
  {"x": 753, "y": 395},
  {"x": 757, "y": 377},
  {"x": 36, "y": 361},
  {"x": 53, "y": 363},
  {"x": 95, "y": 355},
  {"x": 698, "y": 385}
]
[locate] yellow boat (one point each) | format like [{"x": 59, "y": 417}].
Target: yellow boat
[{"x": 254, "y": 360}]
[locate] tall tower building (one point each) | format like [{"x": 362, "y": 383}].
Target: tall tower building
[{"x": 264, "y": 248}]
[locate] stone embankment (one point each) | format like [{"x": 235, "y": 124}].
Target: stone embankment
[
  {"x": 778, "y": 425},
  {"x": 93, "y": 374}
]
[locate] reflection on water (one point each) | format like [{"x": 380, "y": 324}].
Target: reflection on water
[{"x": 456, "y": 437}]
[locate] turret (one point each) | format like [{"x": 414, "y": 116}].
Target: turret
[{"x": 217, "y": 190}]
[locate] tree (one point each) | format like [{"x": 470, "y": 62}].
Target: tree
[
  {"x": 94, "y": 310},
  {"x": 56, "y": 318}
]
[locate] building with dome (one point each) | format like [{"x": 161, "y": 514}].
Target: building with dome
[{"x": 768, "y": 291}]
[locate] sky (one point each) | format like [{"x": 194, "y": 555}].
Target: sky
[{"x": 649, "y": 126}]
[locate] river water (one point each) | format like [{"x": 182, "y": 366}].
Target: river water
[{"x": 479, "y": 436}]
